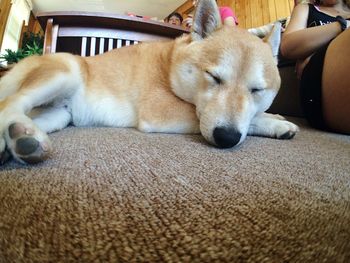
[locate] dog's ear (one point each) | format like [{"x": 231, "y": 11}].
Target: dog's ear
[
  {"x": 206, "y": 19},
  {"x": 274, "y": 39}
]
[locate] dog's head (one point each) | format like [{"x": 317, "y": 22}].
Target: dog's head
[{"x": 227, "y": 73}]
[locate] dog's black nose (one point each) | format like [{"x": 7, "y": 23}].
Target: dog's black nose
[{"x": 226, "y": 137}]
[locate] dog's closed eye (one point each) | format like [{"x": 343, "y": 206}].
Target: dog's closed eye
[
  {"x": 256, "y": 90},
  {"x": 214, "y": 77}
]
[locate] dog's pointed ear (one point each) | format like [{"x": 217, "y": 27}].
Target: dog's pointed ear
[
  {"x": 206, "y": 19},
  {"x": 274, "y": 39}
]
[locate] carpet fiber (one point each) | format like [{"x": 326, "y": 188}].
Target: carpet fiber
[{"x": 118, "y": 195}]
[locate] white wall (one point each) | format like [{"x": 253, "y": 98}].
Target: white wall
[{"x": 20, "y": 11}]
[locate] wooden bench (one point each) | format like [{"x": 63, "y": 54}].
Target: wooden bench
[{"x": 88, "y": 34}]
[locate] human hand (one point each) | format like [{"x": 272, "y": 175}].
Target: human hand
[{"x": 188, "y": 21}]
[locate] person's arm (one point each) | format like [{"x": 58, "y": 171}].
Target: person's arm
[
  {"x": 229, "y": 21},
  {"x": 187, "y": 22},
  {"x": 299, "y": 42},
  {"x": 228, "y": 17}
]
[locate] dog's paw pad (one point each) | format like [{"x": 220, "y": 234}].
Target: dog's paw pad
[
  {"x": 29, "y": 150},
  {"x": 286, "y": 130},
  {"x": 16, "y": 130},
  {"x": 287, "y": 135},
  {"x": 26, "y": 145}
]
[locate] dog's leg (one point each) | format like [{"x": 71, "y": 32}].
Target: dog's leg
[
  {"x": 51, "y": 119},
  {"x": 169, "y": 128},
  {"x": 25, "y": 142},
  {"x": 45, "y": 84},
  {"x": 170, "y": 125},
  {"x": 273, "y": 126},
  {"x": 172, "y": 116},
  {"x": 24, "y": 138}
]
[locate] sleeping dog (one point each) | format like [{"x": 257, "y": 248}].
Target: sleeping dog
[{"x": 217, "y": 81}]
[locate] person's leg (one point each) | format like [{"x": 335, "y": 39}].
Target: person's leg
[
  {"x": 311, "y": 91},
  {"x": 336, "y": 84}
]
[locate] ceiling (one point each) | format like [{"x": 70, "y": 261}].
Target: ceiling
[{"x": 152, "y": 8}]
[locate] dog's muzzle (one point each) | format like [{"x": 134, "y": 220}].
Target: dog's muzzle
[{"x": 226, "y": 137}]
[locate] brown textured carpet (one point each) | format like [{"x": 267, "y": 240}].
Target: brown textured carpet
[{"x": 118, "y": 195}]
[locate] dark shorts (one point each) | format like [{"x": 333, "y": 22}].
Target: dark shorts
[{"x": 311, "y": 89}]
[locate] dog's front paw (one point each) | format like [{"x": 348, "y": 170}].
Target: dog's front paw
[
  {"x": 27, "y": 144},
  {"x": 276, "y": 116},
  {"x": 285, "y": 130},
  {"x": 272, "y": 126}
]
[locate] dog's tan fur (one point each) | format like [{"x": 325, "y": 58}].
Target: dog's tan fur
[{"x": 217, "y": 81}]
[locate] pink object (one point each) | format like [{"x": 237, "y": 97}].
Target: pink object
[{"x": 226, "y": 12}]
